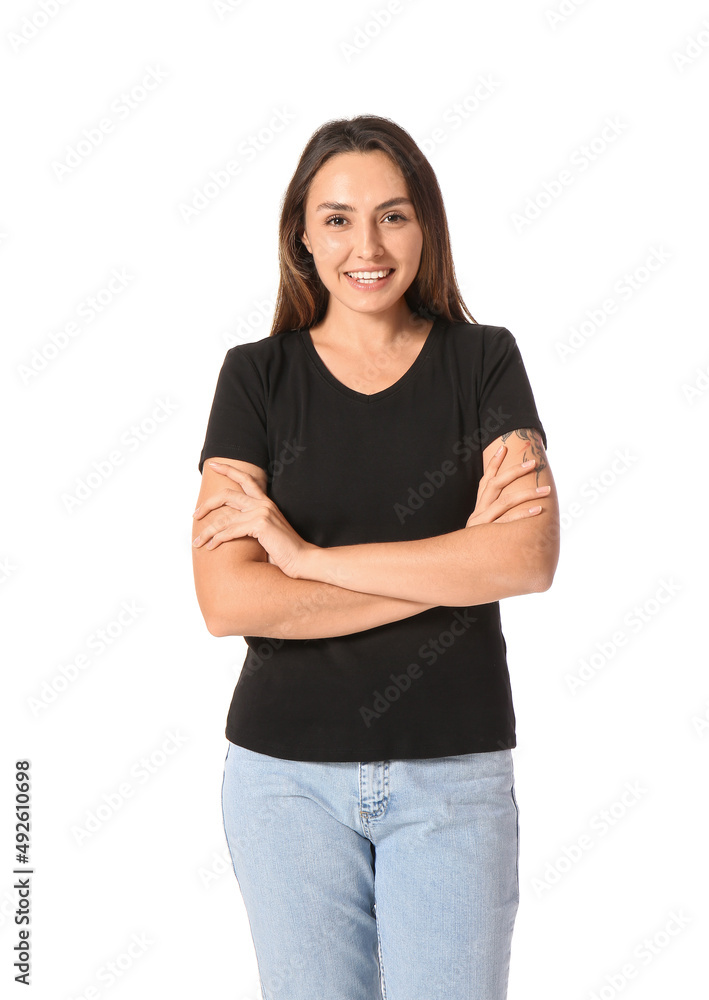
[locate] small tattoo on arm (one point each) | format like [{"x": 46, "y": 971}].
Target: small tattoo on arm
[{"x": 536, "y": 447}]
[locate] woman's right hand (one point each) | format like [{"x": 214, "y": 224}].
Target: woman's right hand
[{"x": 490, "y": 507}]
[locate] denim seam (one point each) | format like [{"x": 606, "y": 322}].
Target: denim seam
[
  {"x": 382, "y": 978},
  {"x": 514, "y": 799}
]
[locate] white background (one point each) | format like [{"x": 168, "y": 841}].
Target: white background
[{"x": 629, "y": 594}]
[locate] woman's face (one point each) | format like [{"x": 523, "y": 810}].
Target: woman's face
[{"x": 358, "y": 218}]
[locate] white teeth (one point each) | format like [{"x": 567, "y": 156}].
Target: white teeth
[{"x": 368, "y": 275}]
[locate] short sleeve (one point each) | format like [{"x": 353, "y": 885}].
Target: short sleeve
[
  {"x": 237, "y": 421},
  {"x": 505, "y": 397}
]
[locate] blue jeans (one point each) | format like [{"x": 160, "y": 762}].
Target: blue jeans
[{"x": 393, "y": 879}]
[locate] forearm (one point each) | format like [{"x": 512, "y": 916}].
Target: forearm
[
  {"x": 266, "y": 602},
  {"x": 475, "y": 565}
]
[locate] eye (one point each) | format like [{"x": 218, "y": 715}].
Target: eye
[{"x": 396, "y": 216}]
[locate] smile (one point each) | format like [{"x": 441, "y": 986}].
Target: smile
[{"x": 369, "y": 279}]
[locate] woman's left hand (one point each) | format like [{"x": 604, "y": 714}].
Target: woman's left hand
[{"x": 249, "y": 512}]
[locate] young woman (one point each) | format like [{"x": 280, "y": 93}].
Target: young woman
[{"x": 374, "y": 482}]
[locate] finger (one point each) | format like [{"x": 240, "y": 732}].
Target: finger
[
  {"x": 218, "y": 523},
  {"x": 514, "y": 472},
  {"x": 507, "y": 503},
  {"x": 244, "y": 479},
  {"x": 492, "y": 466},
  {"x": 490, "y": 495},
  {"x": 494, "y": 482},
  {"x": 528, "y": 496},
  {"x": 498, "y": 481},
  {"x": 213, "y": 535},
  {"x": 225, "y": 498},
  {"x": 207, "y": 532},
  {"x": 252, "y": 525},
  {"x": 496, "y": 459},
  {"x": 525, "y": 512}
]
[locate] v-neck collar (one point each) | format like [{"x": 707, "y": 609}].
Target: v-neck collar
[{"x": 416, "y": 365}]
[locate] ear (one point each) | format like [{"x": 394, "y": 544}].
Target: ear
[{"x": 306, "y": 242}]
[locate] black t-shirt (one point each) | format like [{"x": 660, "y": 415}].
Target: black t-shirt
[{"x": 347, "y": 468}]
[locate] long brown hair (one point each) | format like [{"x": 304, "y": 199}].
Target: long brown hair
[{"x": 302, "y": 297}]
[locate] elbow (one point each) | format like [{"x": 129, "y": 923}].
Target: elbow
[
  {"x": 229, "y": 603},
  {"x": 223, "y": 623},
  {"x": 543, "y": 582},
  {"x": 220, "y": 625},
  {"x": 545, "y": 576},
  {"x": 547, "y": 556},
  {"x": 217, "y": 627},
  {"x": 235, "y": 612},
  {"x": 224, "y": 611}
]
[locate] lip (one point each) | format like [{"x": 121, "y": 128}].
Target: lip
[{"x": 379, "y": 283}]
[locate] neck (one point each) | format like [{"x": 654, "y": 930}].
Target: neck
[{"x": 368, "y": 331}]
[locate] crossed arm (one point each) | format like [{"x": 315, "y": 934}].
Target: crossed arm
[{"x": 351, "y": 588}]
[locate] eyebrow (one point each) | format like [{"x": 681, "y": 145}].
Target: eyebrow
[{"x": 338, "y": 206}]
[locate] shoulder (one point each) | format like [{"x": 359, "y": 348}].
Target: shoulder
[
  {"x": 263, "y": 357},
  {"x": 476, "y": 338},
  {"x": 260, "y": 351}
]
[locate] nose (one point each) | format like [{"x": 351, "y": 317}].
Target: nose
[{"x": 369, "y": 242}]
